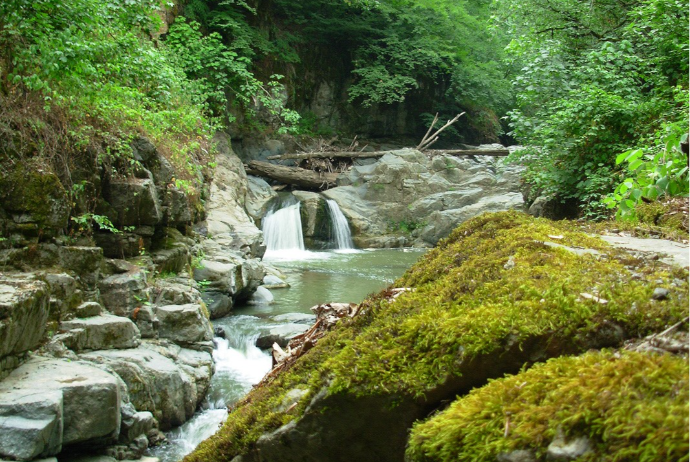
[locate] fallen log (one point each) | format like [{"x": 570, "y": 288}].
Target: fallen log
[
  {"x": 330, "y": 155},
  {"x": 374, "y": 154},
  {"x": 301, "y": 177},
  {"x": 470, "y": 152}
]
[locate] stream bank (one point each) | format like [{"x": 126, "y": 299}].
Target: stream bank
[{"x": 502, "y": 293}]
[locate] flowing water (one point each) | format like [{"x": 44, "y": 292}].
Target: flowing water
[
  {"x": 283, "y": 229},
  {"x": 344, "y": 275},
  {"x": 340, "y": 227}
]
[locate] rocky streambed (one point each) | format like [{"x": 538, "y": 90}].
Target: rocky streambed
[{"x": 106, "y": 340}]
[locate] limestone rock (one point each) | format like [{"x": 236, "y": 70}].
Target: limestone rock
[
  {"x": 314, "y": 216},
  {"x": 123, "y": 293},
  {"x": 218, "y": 304},
  {"x": 31, "y": 423},
  {"x": 101, "y": 333},
  {"x": 88, "y": 309},
  {"x": 23, "y": 313},
  {"x": 260, "y": 196},
  {"x": 183, "y": 324},
  {"x": 155, "y": 383},
  {"x": 135, "y": 424},
  {"x": 281, "y": 335},
  {"x": 227, "y": 218},
  {"x": 262, "y": 296},
  {"x": 563, "y": 450},
  {"x": 134, "y": 201},
  {"x": 83, "y": 388},
  {"x": 83, "y": 261},
  {"x": 405, "y": 192}
]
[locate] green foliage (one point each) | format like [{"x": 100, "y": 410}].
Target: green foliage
[
  {"x": 593, "y": 81},
  {"x": 86, "y": 221},
  {"x": 653, "y": 171},
  {"x": 631, "y": 406},
  {"x": 406, "y": 226},
  {"x": 216, "y": 70},
  {"x": 100, "y": 81}
]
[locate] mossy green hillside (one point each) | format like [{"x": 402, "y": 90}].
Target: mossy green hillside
[
  {"x": 488, "y": 299},
  {"x": 631, "y": 406}
]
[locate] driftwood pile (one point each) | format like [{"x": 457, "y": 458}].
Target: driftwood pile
[
  {"x": 327, "y": 317},
  {"x": 319, "y": 169}
]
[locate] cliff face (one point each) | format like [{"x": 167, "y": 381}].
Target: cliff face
[{"x": 502, "y": 293}]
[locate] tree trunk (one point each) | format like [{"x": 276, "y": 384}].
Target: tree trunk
[{"x": 303, "y": 178}]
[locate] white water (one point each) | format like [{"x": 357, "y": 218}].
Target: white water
[
  {"x": 283, "y": 230},
  {"x": 239, "y": 365},
  {"x": 340, "y": 227}
]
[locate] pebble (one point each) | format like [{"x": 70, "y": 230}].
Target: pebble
[{"x": 660, "y": 294}]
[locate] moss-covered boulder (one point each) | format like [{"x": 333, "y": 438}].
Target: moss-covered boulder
[
  {"x": 602, "y": 406},
  {"x": 502, "y": 292},
  {"x": 34, "y": 199}
]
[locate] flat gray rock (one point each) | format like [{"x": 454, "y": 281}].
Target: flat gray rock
[
  {"x": 674, "y": 253},
  {"x": 101, "y": 333},
  {"x": 90, "y": 397}
]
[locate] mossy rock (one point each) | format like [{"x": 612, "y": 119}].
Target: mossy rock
[
  {"x": 502, "y": 291},
  {"x": 35, "y": 196},
  {"x": 619, "y": 405},
  {"x": 671, "y": 215}
]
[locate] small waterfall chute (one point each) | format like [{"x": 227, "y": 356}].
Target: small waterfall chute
[
  {"x": 340, "y": 227},
  {"x": 282, "y": 229}
]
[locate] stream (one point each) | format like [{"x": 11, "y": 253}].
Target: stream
[{"x": 314, "y": 277}]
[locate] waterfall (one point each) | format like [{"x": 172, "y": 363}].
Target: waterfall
[
  {"x": 283, "y": 229},
  {"x": 341, "y": 230}
]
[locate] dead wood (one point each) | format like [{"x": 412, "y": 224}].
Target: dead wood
[{"x": 301, "y": 177}]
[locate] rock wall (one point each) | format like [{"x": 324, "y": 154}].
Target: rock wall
[{"x": 103, "y": 345}]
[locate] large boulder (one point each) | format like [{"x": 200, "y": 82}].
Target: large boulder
[
  {"x": 227, "y": 221},
  {"x": 23, "y": 315},
  {"x": 34, "y": 199},
  {"x": 501, "y": 293},
  {"x": 134, "y": 201},
  {"x": 31, "y": 423},
  {"x": 314, "y": 217},
  {"x": 83, "y": 261},
  {"x": 406, "y": 197},
  {"x": 156, "y": 383},
  {"x": 184, "y": 324},
  {"x": 260, "y": 197},
  {"x": 49, "y": 403},
  {"x": 124, "y": 293}
]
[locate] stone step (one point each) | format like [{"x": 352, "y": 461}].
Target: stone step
[{"x": 102, "y": 332}]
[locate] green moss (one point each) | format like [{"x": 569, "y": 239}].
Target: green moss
[
  {"x": 631, "y": 406},
  {"x": 34, "y": 190},
  {"x": 490, "y": 290}
]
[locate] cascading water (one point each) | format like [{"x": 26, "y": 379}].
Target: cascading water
[
  {"x": 282, "y": 229},
  {"x": 341, "y": 230},
  {"x": 239, "y": 365}
]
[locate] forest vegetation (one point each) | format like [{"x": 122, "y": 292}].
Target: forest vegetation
[{"x": 597, "y": 91}]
